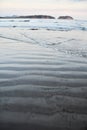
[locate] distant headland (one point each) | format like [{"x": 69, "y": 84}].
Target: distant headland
[
  {"x": 65, "y": 17},
  {"x": 31, "y": 17}
]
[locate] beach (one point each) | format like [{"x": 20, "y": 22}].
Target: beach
[{"x": 43, "y": 79}]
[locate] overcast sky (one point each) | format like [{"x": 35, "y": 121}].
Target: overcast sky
[{"x": 75, "y": 8}]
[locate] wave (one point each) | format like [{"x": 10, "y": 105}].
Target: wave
[
  {"x": 69, "y": 45},
  {"x": 55, "y": 25}
]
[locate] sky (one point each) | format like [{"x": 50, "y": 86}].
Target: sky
[{"x": 74, "y": 8}]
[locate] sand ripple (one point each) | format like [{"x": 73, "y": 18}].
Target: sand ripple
[{"x": 42, "y": 87}]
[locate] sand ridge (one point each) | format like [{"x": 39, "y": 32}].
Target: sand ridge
[{"x": 41, "y": 88}]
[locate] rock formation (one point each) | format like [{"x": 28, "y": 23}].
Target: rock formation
[{"x": 65, "y": 17}]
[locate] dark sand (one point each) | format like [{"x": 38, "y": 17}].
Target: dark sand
[{"x": 40, "y": 88}]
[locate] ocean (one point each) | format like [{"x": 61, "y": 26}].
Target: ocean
[{"x": 50, "y": 24}]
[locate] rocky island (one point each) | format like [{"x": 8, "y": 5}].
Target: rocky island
[{"x": 65, "y": 17}]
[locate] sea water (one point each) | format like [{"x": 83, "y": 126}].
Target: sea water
[
  {"x": 66, "y": 36},
  {"x": 51, "y": 24}
]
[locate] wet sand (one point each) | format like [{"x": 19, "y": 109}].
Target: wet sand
[{"x": 41, "y": 88}]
